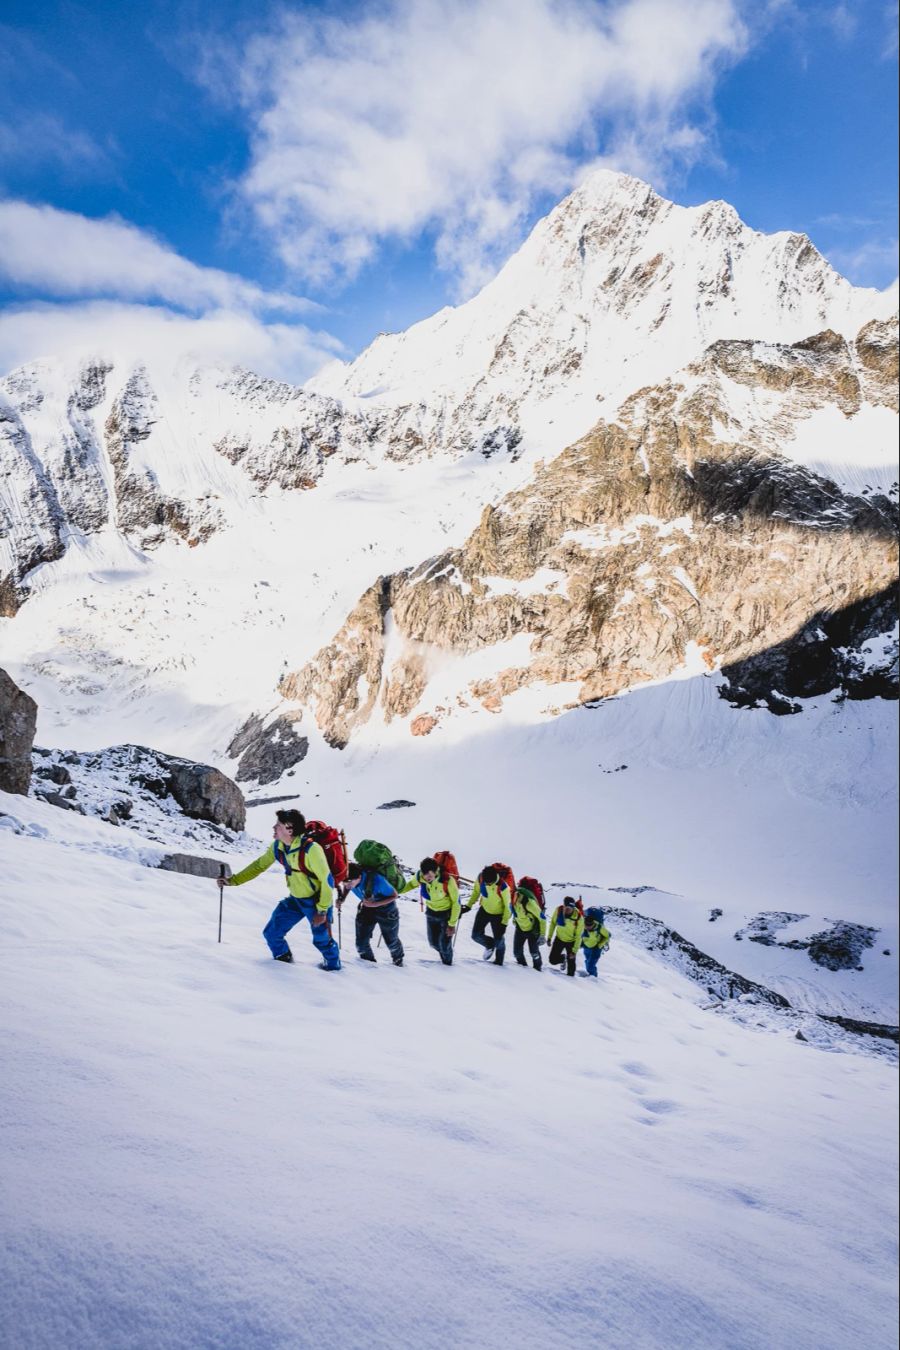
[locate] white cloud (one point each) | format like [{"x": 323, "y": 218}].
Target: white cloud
[
  {"x": 61, "y": 253},
  {"x": 456, "y": 116},
  {"x": 155, "y": 335},
  {"x": 868, "y": 262},
  {"x": 44, "y": 138}
]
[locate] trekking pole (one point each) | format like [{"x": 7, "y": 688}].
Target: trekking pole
[
  {"x": 344, "y": 846},
  {"x": 221, "y": 895}
]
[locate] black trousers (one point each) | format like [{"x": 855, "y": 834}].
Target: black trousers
[
  {"x": 561, "y": 954},
  {"x": 438, "y": 937},
  {"x": 529, "y": 940},
  {"x": 385, "y": 917},
  {"x": 497, "y": 942}
]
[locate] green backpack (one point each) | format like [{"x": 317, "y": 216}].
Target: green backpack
[{"x": 379, "y": 858}]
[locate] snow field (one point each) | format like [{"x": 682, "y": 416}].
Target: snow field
[
  {"x": 717, "y": 807},
  {"x": 246, "y": 1154}
]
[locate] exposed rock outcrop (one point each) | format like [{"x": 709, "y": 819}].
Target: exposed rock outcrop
[
  {"x": 267, "y": 750},
  {"x": 190, "y": 865},
  {"x": 852, "y": 652},
  {"x": 18, "y": 718},
  {"x": 679, "y": 529},
  {"x": 205, "y": 793},
  {"x": 147, "y": 789}
]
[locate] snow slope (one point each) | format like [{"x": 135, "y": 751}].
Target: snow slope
[
  {"x": 207, "y": 1148},
  {"x": 717, "y": 807}
]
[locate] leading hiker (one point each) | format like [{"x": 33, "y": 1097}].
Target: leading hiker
[{"x": 310, "y": 886}]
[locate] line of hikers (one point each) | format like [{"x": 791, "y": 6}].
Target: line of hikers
[{"x": 319, "y": 874}]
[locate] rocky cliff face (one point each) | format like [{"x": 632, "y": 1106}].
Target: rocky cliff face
[
  {"x": 615, "y": 289},
  {"x": 678, "y": 532}
]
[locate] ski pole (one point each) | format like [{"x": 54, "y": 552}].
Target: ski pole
[{"x": 221, "y": 895}]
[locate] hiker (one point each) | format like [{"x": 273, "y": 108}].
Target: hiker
[
  {"x": 566, "y": 929},
  {"x": 310, "y": 885},
  {"x": 596, "y": 940},
  {"x": 530, "y": 924},
  {"x": 377, "y": 909},
  {"x": 438, "y": 883},
  {"x": 493, "y": 896}
]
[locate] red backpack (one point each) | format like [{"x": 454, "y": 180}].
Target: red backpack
[
  {"x": 447, "y": 868},
  {"x": 332, "y": 844},
  {"x": 532, "y": 884},
  {"x": 506, "y": 877},
  {"x": 579, "y": 905}
]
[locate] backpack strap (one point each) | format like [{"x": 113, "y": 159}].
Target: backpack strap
[{"x": 282, "y": 857}]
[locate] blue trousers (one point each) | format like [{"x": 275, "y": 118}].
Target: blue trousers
[
  {"x": 385, "y": 917},
  {"x": 591, "y": 957},
  {"x": 287, "y": 915},
  {"x": 438, "y": 937}
]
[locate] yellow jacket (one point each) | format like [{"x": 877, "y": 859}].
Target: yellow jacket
[
  {"x": 569, "y": 931},
  {"x": 597, "y": 937},
  {"x": 436, "y": 898},
  {"x": 316, "y": 880},
  {"x": 495, "y": 899},
  {"x": 527, "y": 913}
]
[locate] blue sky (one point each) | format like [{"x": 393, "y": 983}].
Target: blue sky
[{"x": 219, "y": 167}]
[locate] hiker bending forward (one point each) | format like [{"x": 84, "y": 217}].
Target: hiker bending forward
[
  {"x": 566, "y": 931},
  {"x": 441, "y": 901},
  {"x": 310, "y": 886},
  {"x": 493, "y": 898},
  {"x": 377, "y": 909},
  {"x": 531, "y": 927}
]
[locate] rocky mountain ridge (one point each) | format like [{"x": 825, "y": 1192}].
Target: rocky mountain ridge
[
  {"x": 612, "y": 291},
  {"x": 679, "y": 532}
]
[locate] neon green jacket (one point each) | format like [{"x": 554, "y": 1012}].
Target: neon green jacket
[
  {"x": 596, "y": 937},
  {"x": 436, "y": 898},
  {"x": 527, "y": 912},
  {"x": 567, "y": 930},
  {"x": 300, "y": 886},
  {"x": 495, "y": 899}
]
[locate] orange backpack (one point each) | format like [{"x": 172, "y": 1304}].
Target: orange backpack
[
  {"x": 447, "y": 868},
  {"x": 506, "y": 877}
]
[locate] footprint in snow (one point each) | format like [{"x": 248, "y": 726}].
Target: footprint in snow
[
  {"x": 660, "y": 1106},
  {"x": 634, "y": 1066}
]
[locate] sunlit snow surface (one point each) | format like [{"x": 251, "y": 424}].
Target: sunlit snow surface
[{"x": 206, "y": 1148}]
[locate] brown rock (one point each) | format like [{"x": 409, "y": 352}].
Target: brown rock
[
  {"x": 676, "y": 529},
  {"x": 18, "y": 718}
]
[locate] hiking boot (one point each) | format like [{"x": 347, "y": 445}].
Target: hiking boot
[
  {"x": 488, "y": 954},
  {"x": 520, "y": 961},
  {"x": 365, "y": 957},
  {"x": 323, "y": 965},
  {"x": 538, "y": 965},
  {"x": 285, "y": 956},
  {"x": 399, "y": 961}
]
